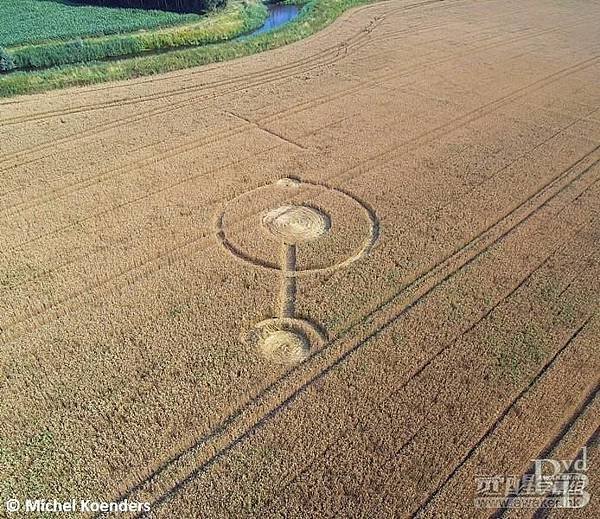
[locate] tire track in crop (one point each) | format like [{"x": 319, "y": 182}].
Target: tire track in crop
[
  {"x": 562, "y": 351},
  {"x": 297, "y": 108},
  {"x": 111, "y": 174},
  {"x": 502, "y": 25},
  {"x": 88, "y": 256},
  {"x": 163, "y": 256},
  {"x": 315, "y": 103},
  {"x": 564, "y": 429},
  {"x": 330, "y": 453},
  {"x": 395, "y": 35},
  {"x": 225, "y": 436},
  {"x": 353, "y": 172},
  {"x": 46, "y": 308},
  {"x": 445, "y": 129},
  {"x": 536, "y": 147},
  {"x": 591, "y": 442},
  {"x": 438, "y": 132},
  {"x": 582, "y": 275},
  {"x": 321, "y": 100},
  {"x": 362, "y": 38}
]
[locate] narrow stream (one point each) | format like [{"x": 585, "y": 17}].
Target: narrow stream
[{"x": 279, "y": 14}]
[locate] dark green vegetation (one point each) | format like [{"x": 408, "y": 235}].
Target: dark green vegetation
[
  {"x": 179, "y": 6},
  {"x": 238, "y": 18},
  {"x": 6, "y": 61},
  {"x": 315, "y": 15},
  {"x": 35, "y": 21}
]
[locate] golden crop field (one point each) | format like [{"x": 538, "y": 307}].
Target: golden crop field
[{"x": 348, "y": 277}]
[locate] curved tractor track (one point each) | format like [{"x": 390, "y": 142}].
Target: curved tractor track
[{"x": 345, "y": 277}]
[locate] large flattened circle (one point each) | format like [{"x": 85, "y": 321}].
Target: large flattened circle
[
  {"x": 328, "y": 227},
  {"x": 294, "y": 224}
]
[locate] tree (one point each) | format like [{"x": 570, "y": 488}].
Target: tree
[{"x": 6, "y": 62}]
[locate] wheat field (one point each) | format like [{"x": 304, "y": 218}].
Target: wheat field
[{"x": 341, "y": 278}]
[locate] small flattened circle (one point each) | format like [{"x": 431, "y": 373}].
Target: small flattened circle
[
  {"x": 288, "y": 182},
  {"x": 293, "y": 224},
  {"x": 285, "y": 347}
]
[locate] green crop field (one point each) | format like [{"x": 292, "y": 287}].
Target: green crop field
[
  {"x": 210, "y": 38},
  {"x": 237, "y": 18},
  {"x": 33, "y": 21}
]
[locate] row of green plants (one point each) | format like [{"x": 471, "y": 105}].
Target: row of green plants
[
  {"x": 315, "y": 15},
  {"x": 173, "y": 5},
  {"x": 36, "y": 21},
  {"x": 236, "y": 19}
]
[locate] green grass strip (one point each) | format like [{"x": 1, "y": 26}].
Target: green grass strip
[
  {"x": 238, "y": 18},
  {"x": 315, "y": 15},
  {"x": 38, "y": 21}
]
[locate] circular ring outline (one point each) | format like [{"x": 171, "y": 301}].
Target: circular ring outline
[
  {"x": 367, "y": 244},
  {"x": 295, "y": 323}
]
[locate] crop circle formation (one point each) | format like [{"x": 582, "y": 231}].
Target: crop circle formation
[
  {"x": 285, "y": 347},
  {"x": 269, "y": 227},
  {"x": 254, "y": 224},
  {"x": 296, "y": 224}
]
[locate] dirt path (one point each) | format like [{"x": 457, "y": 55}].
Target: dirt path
[{"x": 445, "y": 279}]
